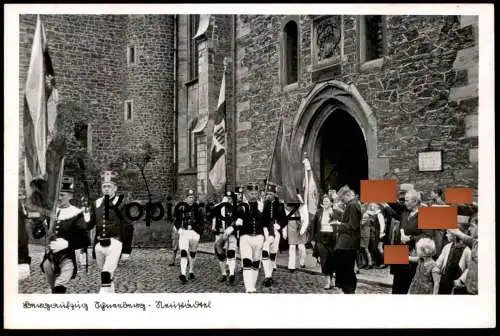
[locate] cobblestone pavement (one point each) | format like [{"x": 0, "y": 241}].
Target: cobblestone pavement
[{"x": 147, "y": 271}]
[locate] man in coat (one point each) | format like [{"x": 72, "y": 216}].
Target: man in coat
[{"x": 348, "y": 240}]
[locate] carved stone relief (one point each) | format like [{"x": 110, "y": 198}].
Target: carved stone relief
[{"x": 328, "y": 35}]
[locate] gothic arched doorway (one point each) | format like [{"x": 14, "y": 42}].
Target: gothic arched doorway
[
  {"x": 342, "y": 152},
  {"x": 338, "y": 131}
]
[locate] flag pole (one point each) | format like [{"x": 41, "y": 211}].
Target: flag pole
[{"x": 272, "y": 156}]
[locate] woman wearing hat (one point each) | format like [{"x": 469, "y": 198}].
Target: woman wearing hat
[{"x": 66, "y": 234}]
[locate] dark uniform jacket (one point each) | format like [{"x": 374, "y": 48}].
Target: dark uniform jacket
[
  {"x": 348, "y": 236},
  {"x": 274, "y": 212},
  {"x": 189, "y": 217},
  {"x": 221, "y": 224},
  {"x": 73, "y": 229},
  {"x": 254, "y": 220},
  {"x": 111, "y": 227}
]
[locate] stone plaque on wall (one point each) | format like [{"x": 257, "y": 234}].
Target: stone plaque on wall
[{"x": 327, "y": 39}]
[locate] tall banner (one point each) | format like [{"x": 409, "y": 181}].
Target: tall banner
[
  {"x": 280, "y": 172},
  {"x": 44, "y": 147},
  {"x": 311, "y": 197},
  {"x": 217, "y": 172}
]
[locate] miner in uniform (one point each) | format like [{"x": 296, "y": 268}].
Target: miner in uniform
[
  {"x": 66, "y": 234},
  {"x": 109, "y": 231},
  {"x": 254, "y": 231},
  {"x": 275, "y": 216},
  {"x": 189, "y": 223},
  {"x": 240, "y": 198},
  {"x": 225, "y": 239}
]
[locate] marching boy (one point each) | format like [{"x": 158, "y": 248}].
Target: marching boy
[
  {"x": 225, "y": 240},
  {"x": 189, "y": 224},
  {"x": 254, "y": 231},
  {"x": 275, "y": 215}
]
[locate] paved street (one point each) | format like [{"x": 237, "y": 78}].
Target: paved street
[{"x": 148, "y": 272}]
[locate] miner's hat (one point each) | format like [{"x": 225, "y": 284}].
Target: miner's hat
[
  {"x": 38, "y": 230},
  {"x": 253, "y": 187},
  {"x": 190, "y": 192},
  {"x": 271, "y": 187},
  {"x": 109, "y": 176},
  {"x": 67, "y": 184},
  {"x": 239, "y": 190}
]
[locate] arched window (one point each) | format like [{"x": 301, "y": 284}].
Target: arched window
[
  {"x": 192, "y": 143},
  {"x": 290, "y": 52},
  {"x": 194, "y": 21},
  {"x": 373, "y": 37}
]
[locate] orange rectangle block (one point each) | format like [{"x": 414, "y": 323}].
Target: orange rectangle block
[
  {"x": 378, "y": 191},
  {"x": 437, "y": 218},
  {"x": 396, "y": 254},
  {"x": 458, "y": 195}
]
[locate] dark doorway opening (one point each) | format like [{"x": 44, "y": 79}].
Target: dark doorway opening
[{"x": 343, "y": 153}]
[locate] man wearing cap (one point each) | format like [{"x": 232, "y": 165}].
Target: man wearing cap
[
  {"x": 225, "y": 239},
  {"x": 66, "y": 234},
  {"x": 254, "y": 230},
  {"x": 189, "y": 224},
  {"x": 274, "y": 214},
  {"x": 109, "y": 231}
]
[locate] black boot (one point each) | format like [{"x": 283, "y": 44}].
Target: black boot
[
  {"x": 183, "y": 279},
  {"x": 223, "y": 279},
  {"x": 267, "y": 282},
  {"x": 231, "y": 279},
  {"x": 59, "y": 290},
  {"x": 191, "y": 276}
]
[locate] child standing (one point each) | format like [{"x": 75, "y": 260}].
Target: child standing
[
  {"x": 452, "y": 262},
  {"x": 427, "y": 276}
]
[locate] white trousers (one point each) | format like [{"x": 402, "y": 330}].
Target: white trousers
[
  {"x": 271, "y": 248},
  {"x": 292, "y": 259},
  {"x": 107, "y": 258},
  {"x": 188, "y": 241},
  {"x": 230, "y": 245},
  {"x": 251, "y": 249}
]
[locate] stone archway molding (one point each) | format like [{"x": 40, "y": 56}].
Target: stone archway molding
[{"x": 323, "y": 100}]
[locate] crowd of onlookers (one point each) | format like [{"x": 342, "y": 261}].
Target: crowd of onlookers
[{"x": 440, "y": 261}]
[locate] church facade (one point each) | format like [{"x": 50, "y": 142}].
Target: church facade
[{"x": 361, "y": 96}]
